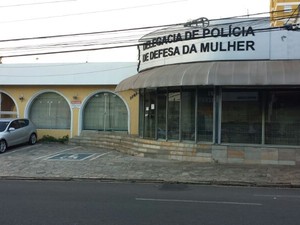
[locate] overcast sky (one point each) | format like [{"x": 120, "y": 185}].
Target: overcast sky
[{"x": 32, "y": 18}]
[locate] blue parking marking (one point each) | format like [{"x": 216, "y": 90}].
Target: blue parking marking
[{"x": 71, "y": 156}]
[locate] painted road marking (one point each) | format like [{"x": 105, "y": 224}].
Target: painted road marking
[
  {"x": 71, "y": 156},
  {"x": 55, "y": 153},
  {"x": 98, "y": 156},
  {"x": 22, "y": 149},
  {"x": 201, "y": 202},
  {"x": 278, "y": 196}
]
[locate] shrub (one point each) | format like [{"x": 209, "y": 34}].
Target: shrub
[{"x": 48, "y": 138}]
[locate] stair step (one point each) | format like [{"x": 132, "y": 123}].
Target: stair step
[{"x": 141, "y": 147}]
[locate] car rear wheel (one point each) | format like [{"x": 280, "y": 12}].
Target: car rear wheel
[
  {"x": 32, "y": 139},
  {"x": 3, "y": 146}
]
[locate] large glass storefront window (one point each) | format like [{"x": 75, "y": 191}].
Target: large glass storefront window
[
  {"x": 149, "y": 113},
  {"x": 170, "y": 114},
  {"x": 245, "y": 116},
  {"x": 141, "y": 112},
  {"x": 188, "y": 114},
  {"x": 173, "y": 114},
  {"x": 283, "y": 118},
  {"x": 241, "y": 117},
  {"x": 205, "y": 115},
  {"x": 161, "y": 114}
]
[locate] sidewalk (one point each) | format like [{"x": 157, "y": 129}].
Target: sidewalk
[{"x": 62, "y": 162}]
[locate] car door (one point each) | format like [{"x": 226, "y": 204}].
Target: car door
[
  {"x": 12, "y": 134},
  {"x": 16, "y": 133},
  {"x": 24, "y": 131}
]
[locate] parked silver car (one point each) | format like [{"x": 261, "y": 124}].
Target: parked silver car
[{"x": 16, "y": 131}]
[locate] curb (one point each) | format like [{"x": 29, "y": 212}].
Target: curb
[{"x": 112, "y": 180}]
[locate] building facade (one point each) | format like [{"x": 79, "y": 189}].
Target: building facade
[
  {"x": 225, "y": 91},
  {"x": 284, "y": 12},
  {"x": 64, "y": 99}
]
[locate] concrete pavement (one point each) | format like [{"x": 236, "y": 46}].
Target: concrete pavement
[{"x": 65, "y": 162}]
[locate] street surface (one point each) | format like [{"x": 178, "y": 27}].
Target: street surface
[{"x": 93, "y": 203}]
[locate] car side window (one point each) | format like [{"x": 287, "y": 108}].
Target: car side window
[
  {"x": 15, "y": 124},
  {"x": 23, "y": 123},
  {"x": 3, "y": 126}
]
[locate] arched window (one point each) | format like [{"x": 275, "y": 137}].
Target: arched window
[
  {"x": 7, "y": 107},
  {"x": 106, "y": 112},
  {"x": 50, "y": 111}
]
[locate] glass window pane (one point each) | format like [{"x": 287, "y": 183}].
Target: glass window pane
[
  {"x": 173, "y": 114},
  {"x": 282, "y": 118},
  {"x": 205, "y": 115},
  {"x": 141, "y": 113},
  {"x": 117, "y": 114},
  {"x": 241, "y": 117},
  {"x": 93, "y": 118},
  {"x": 50, "y": 111},
  {"x": 105, "y": 112},
  {"x": 7, "y": 107},
  {"x": 161, "y": 113},
  {"x": 149, "y": 116},
  {"x": 188, "y": 105}
]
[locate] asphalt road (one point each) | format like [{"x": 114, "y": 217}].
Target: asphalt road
[{"x": 90, "y": 203}]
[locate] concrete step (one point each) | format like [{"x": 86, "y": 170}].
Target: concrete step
[
  {"x": 186, "y": 151},
  {"x": 134, "y": 145}
]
